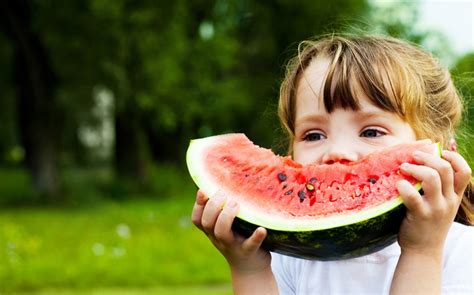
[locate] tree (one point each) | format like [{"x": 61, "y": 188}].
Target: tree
[
  {"x": 232, "y": 62},
  {"x": 176, "y": 70},
  {"x": 9, "y": 145},
  {"x": 36, "y": 86},
  {"x": 144, "y": 72}
]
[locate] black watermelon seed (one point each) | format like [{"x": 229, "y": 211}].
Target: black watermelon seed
[
  {"x": 372, "y": 180},
  {"x": 310, "y": 187},
  {"x": 281, "y": 177},
  {"x": 312, "y": 180},
  {"x": 284, "y": 186},
  {"x": 422, "y": 192},
  {"x": 301, "y": 195},
  {"x": 289, "y": 192}
]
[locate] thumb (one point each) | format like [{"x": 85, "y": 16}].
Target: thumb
[
  {"x": 254, "y": 242},
  {"x": 411, "y": 197}
]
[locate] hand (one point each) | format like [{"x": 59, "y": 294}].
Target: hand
[
  {"x": 214, "y": 217},
  {"x": 430, "y": 216}
]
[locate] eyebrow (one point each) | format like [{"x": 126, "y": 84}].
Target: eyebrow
[
  {"x": 377, "y": 113},
  {"x": 370, "y": 113},
  {"x": 359, "y": 114},
  {"x": 311, "y": 118}
]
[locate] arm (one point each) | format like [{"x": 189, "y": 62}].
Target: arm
[
  {"x": 429, "y": 217},
  {"x": 418, "y": 273},
  {"x": 262, "y": 282},
  {"x": 249, "y": 264}
]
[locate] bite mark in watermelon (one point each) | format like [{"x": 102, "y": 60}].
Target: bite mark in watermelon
[{"x": 312, "y": 211}]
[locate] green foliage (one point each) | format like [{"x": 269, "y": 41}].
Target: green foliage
[
  {"x": 15, "y": 187},
  {"x": 178, "y": 70},
  {"x": 83, "y": 186},
  {"x": 185, "y": 69},
  {"x": 463, "y": 75}
]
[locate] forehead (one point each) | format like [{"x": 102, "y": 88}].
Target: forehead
[
  {"x": 312, "y": 79},
  {"x": 309, "y": 91},
  {"x": 309, "y": 109}
]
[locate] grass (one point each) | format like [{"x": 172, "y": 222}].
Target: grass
[
  {"x": 142, "y": 245},
  {"x": 169, "y": 290}
]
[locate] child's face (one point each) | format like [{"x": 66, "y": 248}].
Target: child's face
[{"x": 344, "y": 135}]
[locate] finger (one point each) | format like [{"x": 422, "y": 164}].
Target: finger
[
  {"x": 443, "y": 167},
  {"x": 211, "y": 211},
  {"x": 196, "y": 216},
  {"x": 411, "y": 198},
  {"x": 223, "y": 229},
  {"x": 254, "y": 242},
  {"x": 201, "y": 198},
  {"x": 430, "y": 182},
  {"x": 462, "y": 171}
]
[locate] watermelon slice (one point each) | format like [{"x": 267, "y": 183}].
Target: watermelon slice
[{"x": 321, "y": 212}]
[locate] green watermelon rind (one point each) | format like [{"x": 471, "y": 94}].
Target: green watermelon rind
[
  {"x": 197, "y": 170},
  {"x": 344, "y": 242}
]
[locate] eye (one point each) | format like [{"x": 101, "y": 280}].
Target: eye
[
  {"x": 314, "y": 136},
  {"x": 372, "y": 132}
]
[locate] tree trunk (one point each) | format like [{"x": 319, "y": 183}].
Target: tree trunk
[
  {"x": 36, "y": 85},
  {"x": 131, "y": 146},
  {"x": 131, "y": 149}
]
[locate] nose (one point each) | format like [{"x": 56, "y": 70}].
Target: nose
[{"x": 339, "y": 153}]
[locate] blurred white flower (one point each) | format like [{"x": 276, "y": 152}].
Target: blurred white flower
[
  {"x": 98, "y": 249},
  {"x": 151, "y": 217},
  {"x": 185, "y": 221},
  {"x": 118, "y": 251},
  {"x": 123, "y": 231},
  {"x": 11, "y": 254}
]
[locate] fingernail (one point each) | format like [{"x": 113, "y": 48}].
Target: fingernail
[
  {"x": 416, "y": 154},
  {"x": 232, "y": 204},
  {"x": 219, "y": 193},
  {"x": 202, "y": 197},
  {"x": 219, "y": 196},
  {"x": 404, "y": 165}
]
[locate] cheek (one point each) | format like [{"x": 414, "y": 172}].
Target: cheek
[
  {"x": 408, "y": 133},
  {"x": 304, "y": 155}
]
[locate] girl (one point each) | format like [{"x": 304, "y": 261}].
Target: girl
[{"x": 342, "y": 98}]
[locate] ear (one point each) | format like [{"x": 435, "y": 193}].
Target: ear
[{"x": 453, "y": 145}]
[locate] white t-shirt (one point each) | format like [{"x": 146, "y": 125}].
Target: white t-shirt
[{"x": 372, "y": 274}]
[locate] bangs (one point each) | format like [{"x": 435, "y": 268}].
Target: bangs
[{"x": 353, "y": 73}]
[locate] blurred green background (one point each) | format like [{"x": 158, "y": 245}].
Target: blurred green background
[{"x": 98, "y": 101}]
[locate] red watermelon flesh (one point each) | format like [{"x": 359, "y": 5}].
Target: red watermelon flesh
[{"x": 279, "y": 187}]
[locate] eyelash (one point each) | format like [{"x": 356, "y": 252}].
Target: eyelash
[
  {"x": 307, "y": 136},
  {"x": 312, "y": 133},
  {"x": 377, "y": 132}
]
